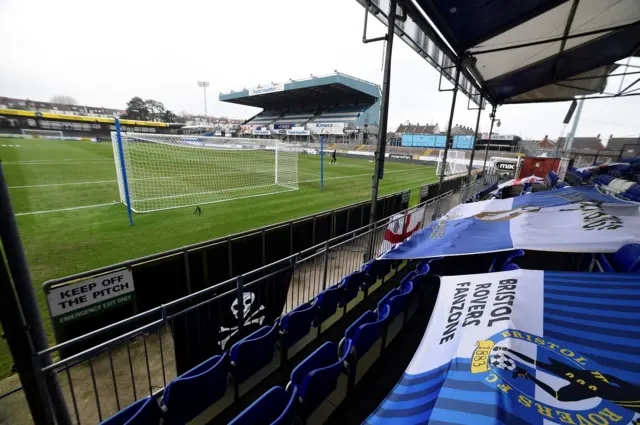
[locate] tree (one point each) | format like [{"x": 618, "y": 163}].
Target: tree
[
  {"x": 137, "y": 109},
  {"x": 169, "y": 116},
  {"x": 63, "y": 99},
  {"x": 156, "y": 109}
]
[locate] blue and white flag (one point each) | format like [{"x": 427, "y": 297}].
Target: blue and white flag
[
  {"x": 525, "y": 347},
  {"x": 565, "y": 220}
]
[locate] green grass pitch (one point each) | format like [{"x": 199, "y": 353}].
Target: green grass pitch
[{"x": 89, "y": 230}]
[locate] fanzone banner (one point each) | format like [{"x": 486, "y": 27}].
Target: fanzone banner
[
  {"x": 527, "y": 348},
  {"x": 578, "y": 219}
]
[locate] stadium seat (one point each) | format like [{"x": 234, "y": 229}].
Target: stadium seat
[
  {"x": 504, "y": 258},
  {"x": 251, "y": 355},
  {"x": 397, "y": 300},
  {"x": 327, "y": 311},
  {"x": 316, "y": 378},
  {"x": 275, "y": 407},
  {"x": 195, "y": 391},
  {"x": 295, "y": 327},
  {"x": 376, "y": 271},
  {"x": 142, "y": 412},
  {"x": 632, "y": 193},
  {"x": 358, "y": 340},
  {"x": 413, "y": 286},
  {"x": 351, "y": 286},
  {"x": 625, "y": 260}
]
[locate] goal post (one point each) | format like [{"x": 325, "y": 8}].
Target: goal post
[
  {"x": 456, "y": 162},
  {"x": 42, "y": 133},
  {"x": 172, "y": 171}
]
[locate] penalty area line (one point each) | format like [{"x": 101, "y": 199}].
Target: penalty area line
[{"x": 65, "y": 209}]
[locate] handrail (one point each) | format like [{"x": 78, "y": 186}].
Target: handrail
[{"x": 338, "y": 239}]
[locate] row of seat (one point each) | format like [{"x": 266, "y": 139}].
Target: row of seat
[
  {"x": 482, "y": 194},
  {"x": 251, "y": 359},
  {"x": 620, "y": 187},
  {"x": 325, "y": 377},
  {"x": 624, "y": 260},
  {"x": 628, "y": 169}
]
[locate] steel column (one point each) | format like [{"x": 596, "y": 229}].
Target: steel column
[
  {"x": 486, "y": 151},
  {"x": 446, "y": 142},
  {"x": 19, "y": 271},
  {"x": 475, "y": 137},
  {"x": 22, "y": 351},
  {"x": 384, "y": 113}
]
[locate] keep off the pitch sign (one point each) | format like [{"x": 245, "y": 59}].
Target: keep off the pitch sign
[{"x": 69, "y": 303}]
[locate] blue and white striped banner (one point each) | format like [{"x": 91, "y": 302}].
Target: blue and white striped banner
[
  {"x": 565, "y": 220},
  {"x": 525, "y": 347}
]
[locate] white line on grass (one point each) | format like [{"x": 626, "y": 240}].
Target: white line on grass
[
  {"x": 301, "y": 181},
  {"x": 49, "y": 162},
  {"x": 358, "y": 175},
  {"x": 65, "y": 209},
  {"x": 61, "y": 184}
]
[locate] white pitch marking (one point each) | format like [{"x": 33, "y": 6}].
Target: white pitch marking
[
  {"x": 357, "y": 175},
  {"x": 61, "y": 184},
  {"x": 65, "y": 209},
  {"x": 49, "y": 162}
]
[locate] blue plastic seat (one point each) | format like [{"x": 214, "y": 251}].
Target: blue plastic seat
[
  {"x": 627, "y": 258},
  {"x": 327, "y": 302},
  {"x": 351, "y": 285},
  {"x": 194, "y": 391},
  {"x": 253, "y": 352},
  {"x": 396, "y": 299},
  {"x": 503, "y": 259},
  {"x": 375, "y": 269},
  {"x": 316, "y": 377},
  {"x": 363, "y": 333},
  {"x": 296, "y": 324},
  {"x": 142, "y": 412},
  {"x": 275, "y": 407}
]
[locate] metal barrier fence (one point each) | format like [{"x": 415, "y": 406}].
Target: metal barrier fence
[
  {"x": 491, "y": 179},
  {"x": 105, "y": 378}
]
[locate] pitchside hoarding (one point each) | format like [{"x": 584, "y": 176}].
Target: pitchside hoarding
[
  {"x": 272, "y": 88},
  {"x": 326, "y": 128}
]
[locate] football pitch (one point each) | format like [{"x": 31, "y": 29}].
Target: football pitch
[{"x": 65, "y": 195}]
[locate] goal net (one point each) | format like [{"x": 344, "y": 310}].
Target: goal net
[
  {"x": 456, "y": 162},
  {"x": 42, "y": 133},
  {"x": 172, "y": 171}
]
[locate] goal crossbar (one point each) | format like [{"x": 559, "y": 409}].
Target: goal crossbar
[{"x": 173, "y": 171}]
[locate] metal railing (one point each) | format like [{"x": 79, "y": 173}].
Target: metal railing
[{"x": 139, "y": 358}]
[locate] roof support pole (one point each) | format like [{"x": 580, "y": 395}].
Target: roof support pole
[
  {"x": 475, "y": 137},
  {"x": 574, "y": 127},
  {"x": 486, "y": 151},
  {"x": 382, "y": 126},
  {"x": 384, "y": 113},
  {"x": 19, "y": 272},
  {"x": 446, "y": 142}
]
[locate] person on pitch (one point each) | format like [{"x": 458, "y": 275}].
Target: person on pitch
[{"x": 333, "y": 157}]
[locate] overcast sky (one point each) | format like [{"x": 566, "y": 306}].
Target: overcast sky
[{"x": 103, "y": 53}]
